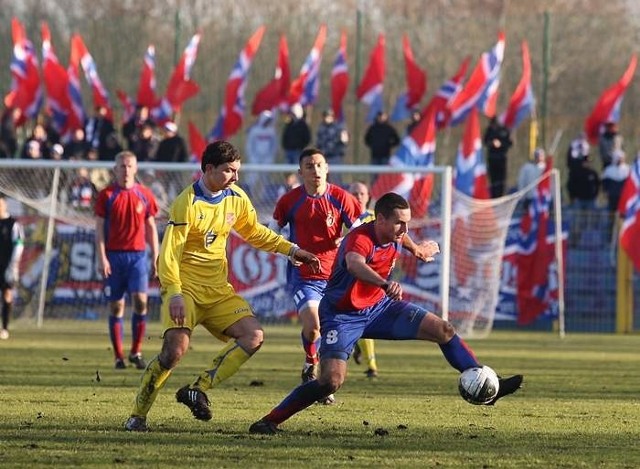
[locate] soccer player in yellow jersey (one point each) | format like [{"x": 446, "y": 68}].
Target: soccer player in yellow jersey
[{"x": 195, "y": 290}]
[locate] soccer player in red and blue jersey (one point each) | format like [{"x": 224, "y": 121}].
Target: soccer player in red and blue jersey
[
  {"x": 316, "y": 212},
  {"x": 125, "y": 224},
  {"x": 361, "y": 300}
]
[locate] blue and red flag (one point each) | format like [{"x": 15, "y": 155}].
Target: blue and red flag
[
  {"x": 471, "y": 172},
  {"x": 371, "y": 86},
  {"x": 416, "y": 80},
  {"x": 56, "y": 83},
  {"x": 100, "y": 93},
  {"x": 77, "y": 116},
  {"x": 147, "y": 83},
  {"x": 416, "y": 150},
  {"x": 304, "y": 89},
  {"x": 128, "y": 106},
  {"x": 607, "y": 108},
  {"x": 232, "y": 111},
  {"x": 482, "y": 86},
  {"x": 274, "y": 94},
  {"x": 445, "y": 95},
  {"x": 536, "y": 253},
  {"x": 197, "y": 143},
  {"x": 181, "y": 87},
  {"x": 522, "y": 103},
  {"x": 629, "y": 209},
  {"x": 339, "y": 78},
  {"x": 25, "y": 93}
]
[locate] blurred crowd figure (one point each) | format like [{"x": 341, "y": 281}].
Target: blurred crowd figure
[{"x": 497, "y": 140}]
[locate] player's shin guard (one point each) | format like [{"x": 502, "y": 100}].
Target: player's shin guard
[
  {"x": 458, "y": 354},
  {"x": 224, "y": 365},
  {"x": 116, "y": 333},
  {"x": 368, "y": 351},
  {"x": 152, "y": 381},
  {"x": 299, "y": 399},
  {"x": 138, "y": 330}
]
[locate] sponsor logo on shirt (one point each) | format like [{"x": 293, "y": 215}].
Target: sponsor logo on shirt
[
  {"x": 230, "y": 218},
  {"x": 209, "y": 238}
]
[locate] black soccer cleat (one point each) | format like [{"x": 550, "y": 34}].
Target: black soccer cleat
[
  {"x": 137, "y": 361},
  {"x": 507, "y": 386},
  {"x": 120, "y": 365},
  {"x": 264, "y": 427},
  {"x": 357, "y": 354},
  {"x": 136, "y": 424},
  {"x": 196, "y": 400},
  {"x": 309, "y": 373}
]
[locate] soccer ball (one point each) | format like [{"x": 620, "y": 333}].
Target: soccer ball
[{"x": 478, "y": 385}]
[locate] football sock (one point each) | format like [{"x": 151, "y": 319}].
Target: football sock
[
  {"x": 310, "y": 350},
  {"x": 458, "y": 354},
  {"x": 300, "y": 398},
  {"x": 7, "y": 308},
  {"x": 224, "y": 365},
  {"x": 152, "y": 381},
  {"x": 116, "y": 332},
  {"x": 138, "y": 330},
  {"x": 368, "y": 351}
]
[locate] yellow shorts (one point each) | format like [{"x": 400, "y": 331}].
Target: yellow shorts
[{"x": 214, "y": 308}]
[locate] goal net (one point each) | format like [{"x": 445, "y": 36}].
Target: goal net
[{"x": 59, "y": 279}]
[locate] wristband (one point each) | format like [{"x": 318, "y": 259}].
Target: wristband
[{"x": 292, "y": 252}]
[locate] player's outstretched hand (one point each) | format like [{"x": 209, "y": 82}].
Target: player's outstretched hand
[
  {"x": 393, "y": 290},
  {"x": 305, "y": 257},
  {"x": 426, "y": 250}
]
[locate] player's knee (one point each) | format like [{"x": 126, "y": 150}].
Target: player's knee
[
  {"x": 331, "y": 384},
  {"x": 447, "y": 331},
  {"x": 252, "y": 340}
]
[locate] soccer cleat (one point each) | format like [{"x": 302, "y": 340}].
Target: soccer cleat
[
  {"x": 137, "y": 360},
  {"x": 120, "y": 365},
  {"x": 264, "y": 427},
  {"x": 4, "y": 334},
  {"x": 309, "y": 373},
  {"x": 136, "y": 424},
  {"x": 357, "y": 354},
  {"x": 329, "y": 400},
  {"x": 371, "y": 373},
  {"x": 196, "y": 400},
  {"x": 507, "y": 386}
]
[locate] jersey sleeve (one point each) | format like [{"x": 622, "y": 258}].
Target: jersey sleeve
[
  {"x": 255, "y": 233},
  {"x": 351, "y": 210},
  {"x": 172, "y": 247},
  {"x": 152, "y": 208},
  {"x": 358, "y": 242},
  {"x": 280, "y": 212},
  {"x": 100, "y": 208}
]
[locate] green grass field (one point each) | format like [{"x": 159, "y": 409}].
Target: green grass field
[{"x": 62, "y": 404}]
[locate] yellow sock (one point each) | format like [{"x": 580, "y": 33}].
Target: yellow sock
[
  {"x": 151, "y": 382},
  {"x": 368, "y": 352},
  {"x": 224, "y": 365}
]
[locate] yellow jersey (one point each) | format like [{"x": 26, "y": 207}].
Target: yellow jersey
[{"x": 193, "y": 249}]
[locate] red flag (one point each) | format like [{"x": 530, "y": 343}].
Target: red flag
[
  {"x": 607, "y": 108},
  {"x": 127, "y": 105},
  {"x": 447, "y": 92},
  {"x": 56, "y": 83},
  {"x": 339, "y": 78},
  {"x": 25, "y": 93},
  {"x": 373, "y": 78},
  {"x": 100, "y": 94},
  {"x": 274, "y": 94},
  {"x": 304, "y": 89},
  {"x": 147, "y": 83},
  {"x": 629, "y": 209},
  {"x": 416, "y": 77},
  {"x": 535, "y": 254},
  {"x": 471, "y": 172},
  {"x": 197, "y": 143},
  {"x": 181, "y": 87}
]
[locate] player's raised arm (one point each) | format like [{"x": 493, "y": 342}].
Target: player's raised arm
[{"x": 424, "y": 250}]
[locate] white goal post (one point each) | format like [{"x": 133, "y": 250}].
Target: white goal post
[{"x": 59, "y": 278}]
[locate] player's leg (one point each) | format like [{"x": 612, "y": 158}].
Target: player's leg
[
  {"x": 115, "y": 288},
  {"x": 306, "y": 296},
  {"x": 7, "y": 308},
  {"x": 138, "y": 285},
  {"x": 116, "y": 331},
  {"x": 367, "y": 348},
  {"x": 175, "y": 344}
]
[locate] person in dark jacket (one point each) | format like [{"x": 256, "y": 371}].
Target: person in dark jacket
[
  {"x": 296, "y": 134},
  {"x": 497, "y": 139},
  {"x": 381, "y": 138}
]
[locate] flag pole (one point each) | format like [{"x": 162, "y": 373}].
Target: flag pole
[
  {"x": 356, "y": 123},
  {"x": 557, "y": 208}
]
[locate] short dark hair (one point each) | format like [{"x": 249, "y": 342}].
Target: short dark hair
[
  {"x": 217, "y": 153},
  {"x": 388, "y": 203},
  {"x": 310, "y": 151}
]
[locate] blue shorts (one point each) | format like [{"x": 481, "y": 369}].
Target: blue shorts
[
  {"x": 129, "y": 273},
  {"x": 388, "y": 319},
  {"x": 306, "y": 292}
]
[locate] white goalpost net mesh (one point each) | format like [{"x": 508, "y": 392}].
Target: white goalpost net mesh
[{"x": 55, "y": 207}]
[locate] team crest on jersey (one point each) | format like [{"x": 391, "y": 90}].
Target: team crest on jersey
[
  {"x": 209, "y": 238},
  {"x": 330, "y": 219},
  {"x": 201, "y": 216},
  {"x": 230, "y": 218}
]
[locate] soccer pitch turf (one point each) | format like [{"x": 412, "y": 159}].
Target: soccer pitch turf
[{"x": 63, "y": 405}]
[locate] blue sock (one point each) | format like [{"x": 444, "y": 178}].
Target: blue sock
[
  {"x": 300, "y": 398},
  {"x": 458, "y": 354}
]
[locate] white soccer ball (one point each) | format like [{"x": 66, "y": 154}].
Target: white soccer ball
[{"x": 478, "y": 385}]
